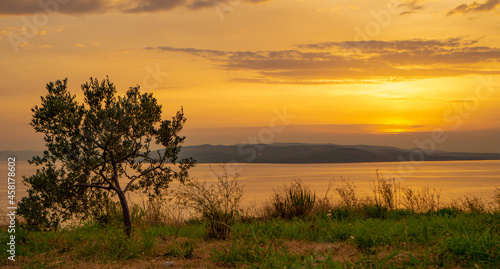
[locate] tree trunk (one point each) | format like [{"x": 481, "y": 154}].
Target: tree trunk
[{"x": 126, "y": 213}]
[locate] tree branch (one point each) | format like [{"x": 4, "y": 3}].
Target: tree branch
[
  {"x": 134, "y": 178},
  {"x": 88, "y": 186}
]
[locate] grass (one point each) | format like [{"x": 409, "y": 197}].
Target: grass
[
  {"x": 391, "y": 229},
  {"x": 294, "y": 201},
  {"x": 417, "y": 240}
]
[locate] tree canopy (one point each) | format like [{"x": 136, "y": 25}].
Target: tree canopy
[{"x": 98, "y": 150}]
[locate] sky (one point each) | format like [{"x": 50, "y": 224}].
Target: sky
[{"x": 405, "y": 73}]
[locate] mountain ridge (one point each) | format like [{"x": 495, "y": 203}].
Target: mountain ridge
[
  {"x": 302, "y": 153},
  {"x": 320, "y": 153}
]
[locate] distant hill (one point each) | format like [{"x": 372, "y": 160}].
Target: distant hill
[
  {"x": 318, "y": 153},
  {"x": 300, "y": 153}
]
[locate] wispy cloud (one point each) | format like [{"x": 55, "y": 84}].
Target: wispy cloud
[
  {"x": 475, "y": 7},
  {"x": 136, "y": 6},
  {"x": 411, "y": 6},
  {"x": 78, "y": 7},
  {"x": 17, "y": 7},
  {"x": 368, "y": 61}
]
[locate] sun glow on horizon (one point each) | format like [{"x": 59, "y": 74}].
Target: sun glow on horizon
[{"x": 232, "y": 71}]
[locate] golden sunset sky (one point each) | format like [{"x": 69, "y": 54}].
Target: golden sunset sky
[{"x": 374, "y": 72}]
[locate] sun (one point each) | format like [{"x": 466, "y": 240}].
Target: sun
[{"x": 397, "y": 125}]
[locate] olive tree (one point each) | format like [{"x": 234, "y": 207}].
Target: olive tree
[{"x": 98, "y": 150}]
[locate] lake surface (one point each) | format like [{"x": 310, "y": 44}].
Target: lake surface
[{"x": 453, "y": 179}]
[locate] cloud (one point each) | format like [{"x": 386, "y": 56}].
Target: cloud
[
  {"x": 202, "y": 4},
  {"x": 474, "y": 7},
  {"x": 75, "y": 7},
  {"x": 136, "y": 6},
  {"x": 198, "y": 52},
  {"x": 411, "y": 6},
  {"x": 354, "y": 62},
  {"x": 79, "y": 7}
]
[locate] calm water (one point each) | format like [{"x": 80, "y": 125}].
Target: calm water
[{"x": 453, "y": 179}]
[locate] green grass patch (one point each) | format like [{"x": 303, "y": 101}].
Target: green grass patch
[{"x": 400, "y": 239}]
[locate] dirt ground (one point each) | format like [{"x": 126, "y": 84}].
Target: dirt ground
[{"x": 201, "y": 258}]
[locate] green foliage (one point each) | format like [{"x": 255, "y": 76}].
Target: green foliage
[
  {"x": 447, "y": 211},
  {"x": 365, "y": 240},
  {"x": 91, "y": 146},
  {"x": 88, "y": 243},
  {"x": 374, "y": 211},
  {"x": 183, "y": 250},
  {"x": 477, "y": 247},
  {"x": 341, "y": 213},
  {"x": 109, "y": 213},
  {"x": 400, "y": 240},
  {"x": 239, "y": 252},
  {"x": 294, "y": 201}
]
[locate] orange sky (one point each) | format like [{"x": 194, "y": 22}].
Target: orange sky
[{"x": 347, "y": 72}]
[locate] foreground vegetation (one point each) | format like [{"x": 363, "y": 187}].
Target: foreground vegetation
[{"x": 395, "y": 227}]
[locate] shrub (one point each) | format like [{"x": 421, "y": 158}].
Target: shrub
[
  {"x": 450, "y": 210},
  {"x": 294, "y": 201},
  {"x": 427, "y": 199},
  {"x": 324, "y": 205},
  {"x": 347, "y": 193},
  {"x": 218, "y": 203},
  {"x": 496, "y": 199},
  {"x": 473, "y": 204},
  {"x": 385, "y": 192},
  {"x": 155, "y": 210},
  {"x": 108, "y": 213},
  {"x": 374, "y": 211},
  {"x": 340, "y": 213}
]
